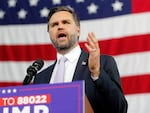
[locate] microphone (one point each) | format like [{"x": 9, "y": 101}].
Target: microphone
[{"x": 32, "y": 71}]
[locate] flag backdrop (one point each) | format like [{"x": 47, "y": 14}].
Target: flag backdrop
[{"x": 121, "y": 26}]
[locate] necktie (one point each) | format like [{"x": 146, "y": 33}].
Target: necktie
[{"x": 59, "y": 77}]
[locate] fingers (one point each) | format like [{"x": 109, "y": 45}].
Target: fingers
[
  {"x": 92, "y": 44},
  {"x": 94, "y": 54}
]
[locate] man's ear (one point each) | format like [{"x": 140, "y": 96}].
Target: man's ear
[{"x": 78, "y": 29}]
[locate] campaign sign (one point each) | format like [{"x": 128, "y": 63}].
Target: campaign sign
[{"x": 45, "y": 98}]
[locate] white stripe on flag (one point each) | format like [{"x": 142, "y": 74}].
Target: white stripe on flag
[
  {"x": 104, "y": 29},
  {"x": 138, "y": 103},
  {"x": 128, "y": 65},
  {"x": 16, "y": 71},
  {"x": 133, "y": 64}
]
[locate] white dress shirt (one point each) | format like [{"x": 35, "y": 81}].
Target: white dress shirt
[{"x": 70, "y": 64}]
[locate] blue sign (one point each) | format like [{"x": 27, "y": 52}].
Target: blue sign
[{"x": 45, "y": 98}]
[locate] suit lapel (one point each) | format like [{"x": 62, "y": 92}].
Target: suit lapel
[
  {"x": 50, "y": 71},
  {"x": 81, "y": 66}
]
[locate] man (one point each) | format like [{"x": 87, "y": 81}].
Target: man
[{"x": 100, "y": 73}]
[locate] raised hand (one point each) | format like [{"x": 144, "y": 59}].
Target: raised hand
[{"x": 94, "y": 54}]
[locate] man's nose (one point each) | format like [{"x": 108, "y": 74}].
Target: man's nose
[{"x": 60, "y": 26}]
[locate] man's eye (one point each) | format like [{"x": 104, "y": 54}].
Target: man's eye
[
  {"x": 66, "y": 22},
  {"x": 54, "y": 24}
]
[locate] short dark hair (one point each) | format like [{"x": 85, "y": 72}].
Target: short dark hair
[{"x": 67, "y": 9}]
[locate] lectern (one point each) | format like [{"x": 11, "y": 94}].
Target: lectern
[{"x": 45, "y": 98}]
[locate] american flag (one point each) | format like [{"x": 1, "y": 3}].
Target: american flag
[{"x": 121, "y": 26}]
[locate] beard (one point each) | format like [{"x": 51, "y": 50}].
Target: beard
[{"x": 71, "y": 42}]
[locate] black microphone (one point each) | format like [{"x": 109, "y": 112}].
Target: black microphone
[{"x": 32, "y": 71}]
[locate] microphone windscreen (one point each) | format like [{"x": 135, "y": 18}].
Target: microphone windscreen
[
  {"x": 32, "y": 71},
  {"x": 38, "y": 64}
]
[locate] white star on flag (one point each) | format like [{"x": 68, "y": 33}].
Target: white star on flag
[
  {"x": 22, "y": 14},
  {"x": 33, "y": 2},
  {"x": 2, "y": 13},
  {"x": 117, "y": 5},
  {"x": 92, "y": 8},
  {"x": 78, "y": 1},
  {"x": 12, "y": 3},
  {"x": 56, "y": 2},
  {"x": 44, "y": 12}
]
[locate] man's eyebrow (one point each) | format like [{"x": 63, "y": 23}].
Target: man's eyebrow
[{"x": 69, "y": 20}]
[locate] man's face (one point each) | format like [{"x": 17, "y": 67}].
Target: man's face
[{"x": 63, "y": 31}]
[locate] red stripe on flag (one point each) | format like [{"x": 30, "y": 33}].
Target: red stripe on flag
[
  {"x": 125, "y": 45},
  {"x": 6, "y": 84},
  {"x": 27, "y": 52},
  {"x": 136, "y": 84},
  {"x": 140, "y": 6},
  {"x": 131, "y": 85},
  {"x": 47, "y": 52}
]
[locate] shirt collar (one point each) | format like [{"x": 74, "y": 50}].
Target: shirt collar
[{"x": 72, "y": 55}]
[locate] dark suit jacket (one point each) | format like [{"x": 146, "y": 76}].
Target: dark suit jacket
[{"x": 105, "y": 94}]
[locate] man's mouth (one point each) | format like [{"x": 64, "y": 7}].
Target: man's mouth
[{"x": 62, "y": 35}]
